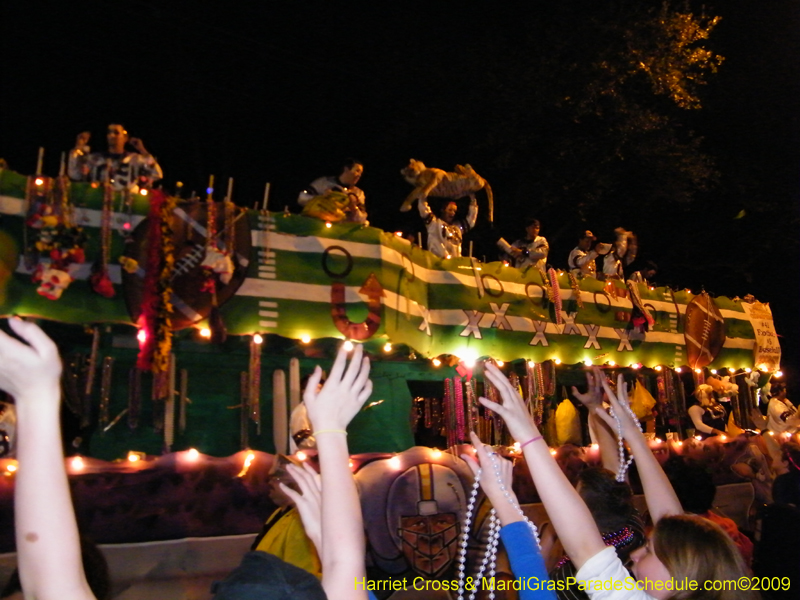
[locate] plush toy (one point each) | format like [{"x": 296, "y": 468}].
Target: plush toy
[
  {"x": 52, "y": 282},
  {"x": 443, "y": 184},
  {"x": 220, "y": 263},
  {"x": 331, "y": 206}
]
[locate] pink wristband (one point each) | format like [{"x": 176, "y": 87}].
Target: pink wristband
[{"x": 530, "y": 441}]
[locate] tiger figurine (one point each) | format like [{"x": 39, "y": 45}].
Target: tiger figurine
[{"x": 443, "y": 184}]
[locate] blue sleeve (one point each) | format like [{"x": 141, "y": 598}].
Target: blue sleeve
[
  {"x": 526, "y": 561},
  {"x": 371, "y": 595}
]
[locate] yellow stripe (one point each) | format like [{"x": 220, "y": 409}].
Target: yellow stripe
[{"x": 425, "y": 481}]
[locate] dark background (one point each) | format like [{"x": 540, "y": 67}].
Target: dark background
[{"x": 282, "y": 92}]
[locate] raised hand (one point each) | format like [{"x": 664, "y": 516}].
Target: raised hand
[
  {"x": 308, "y": 501},
  {"x": 621, "y": 406},
  {"x": 30, "y": 370},
  {"x": 344, "y": 392},
  {"x": 495, "y": 488},
  {"x": 513, "y": 410},
  {"x": 593, "y": 398}
]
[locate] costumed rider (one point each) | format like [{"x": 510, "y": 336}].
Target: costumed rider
[
  {"x": 445, "y": 233},
  {"x": 123, "y": 169},
  {"x": 581, "y": 260},
  {"x": 707, "y": 414},
  {"x": 645, "y": 274},
  {"x": 623, "y": 252},
  {"x": 347, "y": 196},
  {"x": 782, "y": 416},
  {"x": 529, "y": 251}
]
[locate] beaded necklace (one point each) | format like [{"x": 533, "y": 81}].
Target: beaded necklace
[
  {"x": 623, "y": 464},
  {"x": 490, "y": 555}
]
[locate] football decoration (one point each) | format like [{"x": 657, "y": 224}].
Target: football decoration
[
  {"x": 206, "y": 273},
  {"x": 704, "y": 331}
]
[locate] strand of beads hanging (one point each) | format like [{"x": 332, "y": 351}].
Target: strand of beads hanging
[{"x": 623, "y": 464}]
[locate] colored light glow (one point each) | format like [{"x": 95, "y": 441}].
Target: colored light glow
[
  {"x": 698, "y": 438},
  {"x": 133, "y": 457},
  {"x": 468, "y": 357},
  {"x": 141, "y": 335},
  {"x": 778, "y": 373},
  {"x": 11, "y": 467},
  {"x": 587, "y": 362},
  {"x": 679, "y": 443},
  {"x": 770, "y": 433},
  {"x": 348, "y": 346},
  {"x": 658, "y": 440},
  {"x": 143, "y": 191},
  {"x": 257, "y": 339},
  {"x": 531, "y": 364},
  {"x": 305, "y": 338},
  {"x": 394, "y": 462},
  {"x": 595, "y": 446},
  {"x": 677, "y": 369},
  {"x": 558, "y": 361},
  {"x": 500, "y": 363},
  {"x": 723, "y": 437},
  {"x": 350, "y": 464},
  {"x": 698, "y": 371},
  {"x": 436, "y": 362},
  {"x": 553, "y": 451},
  {"x": 38, "y": 181},
  {"x": 636, "y": 365},
  {"x": 209, "y": 190},
  {"x": 77, "y": 463},
  {"x": 658, "y": 367},
  {"x": 246, "y": 466},
  {"x": 748, "y": 370},
  {"x": 713, "y": 371},
  {"x": 517, "y": 447},
  {"x": 301, "y": 455},
  {"x": 436, "y": 453},
  {"x": 611, "y": 363},
  {"x": 192, "y": 454},
  {"x": 398, "y": 233},
  {"x": 448, "y": 256},
  {"x": 387, "y": 347},
  {"x": 205, "y": 332},
  {"x": 763, "y": 368},
  {"x": 328, "y": 224},
  {"x": 126, "y": 226}
]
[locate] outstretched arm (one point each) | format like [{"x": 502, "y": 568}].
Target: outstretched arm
[
  {"x": 593, "y": 399},
  {"x": 571, "y": 518},
  {"x": 661, "y": 498},
  {"x": 48, "y": 547},
  {"x": 330, "y": 410}
]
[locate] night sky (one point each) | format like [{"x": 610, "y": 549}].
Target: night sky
[{"x": 282, "y": 92}]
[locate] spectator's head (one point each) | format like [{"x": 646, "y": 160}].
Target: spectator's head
[
  {"x": 692, "y": 484},
  {"x": 117, "y": 137},
  {"x": 649, "y": 270},
  {"x": 262, "y": 575},
  {"x": 352, "y": 170},
  {"x": 532, "y": 227},
  {"x": 778, "y": 390},
  {"x": 585, "y": 240},
  {"x": 610, "y": 501},
  {"x": 687, "y": 546},
  {"x": 449, "y": 212}
]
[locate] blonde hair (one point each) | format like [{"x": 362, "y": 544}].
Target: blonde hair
[{"x": 693, "y": 547}]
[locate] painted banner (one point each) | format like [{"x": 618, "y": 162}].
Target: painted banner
[{"x": 308, "y": 278}]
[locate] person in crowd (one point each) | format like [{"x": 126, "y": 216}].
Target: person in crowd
[
  {"x": 782, "y": 416},
  {"x": 696, "y": 490},
  {"x": 531, "y": 250},
  {"x": 786, "y": 487},
  {"x": 581, "y": 260},
  {"x": 122, "y": 168},
  {"x": 446, "y": 232},
  {"x": 345, "y": 183},
  {"x": 682, "y": 548},
  {"x": 708, "y": 415}
]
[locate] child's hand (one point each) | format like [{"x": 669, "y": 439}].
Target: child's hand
[
  {"x": 513, "y": 410},
  {"x": 29, "y": 372},
  {"x": 309, "y": 503},
  {"x": 489, "y": 482},
  {"x": 621, "y": 405},
  {"x": 344, "y": 392}
]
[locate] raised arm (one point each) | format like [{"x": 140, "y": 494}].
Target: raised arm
[
  {"x": 569, "y": 515},
  {"x": 661, "y": 498},
  {"x": 48, "y": 547},
  {"x": 330, "y": 410},
  {"x": 593, "y": 399}
]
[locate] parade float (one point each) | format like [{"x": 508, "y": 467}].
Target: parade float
[{"x": 186, "y": 324}]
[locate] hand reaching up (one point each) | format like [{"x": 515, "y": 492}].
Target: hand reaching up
[
  {"x": 494, "y": 486},
  {"x": 593, "y": 398},
  {"x": 308, "y": 501},
  {"x": 30, "y": 370},
  {"x": 347, "y": 388},
  {"x": 621, "y": 406},
  {"x": 513, "y": 410}
]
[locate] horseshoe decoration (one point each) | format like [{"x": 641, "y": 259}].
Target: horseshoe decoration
[{"x": 367, "y": 328}]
